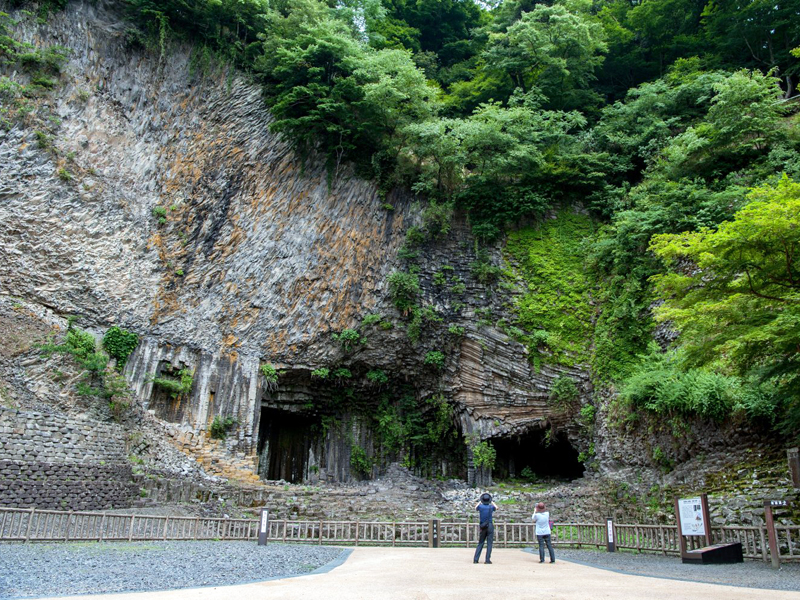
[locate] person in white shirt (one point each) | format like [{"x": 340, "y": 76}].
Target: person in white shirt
[{"x": 542, "y": 519}]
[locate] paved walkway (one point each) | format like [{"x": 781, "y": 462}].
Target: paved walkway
[{"x": 449, "y": 574}]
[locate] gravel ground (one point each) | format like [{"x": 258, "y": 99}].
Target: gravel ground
[
  {"x": 754, "y": 574},
  {"x": 35, "y": 570}
]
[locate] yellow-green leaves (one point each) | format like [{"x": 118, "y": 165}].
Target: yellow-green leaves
[{"x": 734, "y": 293}]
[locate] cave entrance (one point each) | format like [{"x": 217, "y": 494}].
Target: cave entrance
[
  {"x": 284, "y": 441},
  {"x": 557, "y": 459}
]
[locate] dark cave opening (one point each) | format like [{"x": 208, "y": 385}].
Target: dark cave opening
[
  {"x": 558, "y": 459},
  {"x": 284, "y": 442}
]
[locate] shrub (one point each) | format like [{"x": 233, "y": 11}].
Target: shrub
[
  {"x": 431, "y": 315},
  {"x": 160, "y": 213},
  {"x": 321, "y": 373},
  {"x": 342, "y": 373},
  {"x": 79, "y": 343},
  {"x": 564, "y": 392},
  {"x": 377, "y": 376},
  {"x": 270, "y": 374},
  {"x": 404, "y": 289},
  {"x": 435, "y": 359},
  {"x": 220, "y": 427},
  {"x": 587, "y": 415},
  {"x": 43, "y": 140},
  {"x": 349, "y": 338},
  {"x": 359, "y": 461},
  {"x": 484, "y": 455},
  {"x": 483, "y": 270},
  {"x": 414, "y": 328},
  {"x": 456, "y": 330},
  {"x": 119, "y": 343},
  {"x": 371, "y": 319},
  {"x": 659, "y": 385},
  {"x": 438, "y": 218},
  {"x": 176, "y": 387}
]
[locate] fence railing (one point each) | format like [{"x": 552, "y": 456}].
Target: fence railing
[{"x": 30, "y": 525}]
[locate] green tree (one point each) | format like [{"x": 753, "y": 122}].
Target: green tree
[
  {"x": 329, "y": 91},
  {"x": 738, "y": 305},
  {"x": 555, "y": 49},
  {"x": 758, "y": 34}
]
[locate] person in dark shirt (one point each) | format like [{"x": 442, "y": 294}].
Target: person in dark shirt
[{"x": 485, "y": 508}]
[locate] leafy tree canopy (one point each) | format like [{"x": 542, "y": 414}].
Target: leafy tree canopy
[{"x": 734, "y": 292}]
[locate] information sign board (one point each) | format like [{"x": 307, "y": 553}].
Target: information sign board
[{"x": 691, "y": 516}]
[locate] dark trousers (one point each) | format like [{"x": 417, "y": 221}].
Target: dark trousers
[
  {"x": 487, "y": 535},
  {"x": 545, "y": 539}
]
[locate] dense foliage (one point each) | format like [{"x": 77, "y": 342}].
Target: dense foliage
[
  {"x": 655, "y": 117},
  {"x": 97, "y": 379}
]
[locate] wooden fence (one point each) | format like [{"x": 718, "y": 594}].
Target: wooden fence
[{"x": 29, "y": 525}]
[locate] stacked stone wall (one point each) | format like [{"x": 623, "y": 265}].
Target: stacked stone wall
[{"x": 55, "y": 462}]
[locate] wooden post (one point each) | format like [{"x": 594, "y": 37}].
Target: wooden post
[
  {"x": 69, "y": 524},
  {"x": 774, "y": 551},
  {"x": 681, "y": 539},
  {"x": 102, "y": 528},
  {"x": 793, "y": 455},
  {"x": 166, "y": 527},
  {"x": 196, "y": 526},
  {"x": 706, "y": 517},
  {"x": 30, "y": 524},
  {"x": 130, "y": 529},
  {"x": 357, "y": 528},
  {"x": 320, "y": 532}
]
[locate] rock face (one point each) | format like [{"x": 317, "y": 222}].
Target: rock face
[
  {"x": 54, "y": 462},
  {"x": 162, "y": 203}
]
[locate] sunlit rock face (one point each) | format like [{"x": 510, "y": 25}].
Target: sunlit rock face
[{"x": 162, "y": 203}]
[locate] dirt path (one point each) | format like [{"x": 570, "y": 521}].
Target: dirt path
[{"x": 449, "y": 574}]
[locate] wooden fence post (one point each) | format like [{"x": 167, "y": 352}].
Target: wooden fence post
[
  {"x": 30, "y": 524},
  {"x": 130, "y": 528},
  {"x": 69, "y": 524},
  {"x": 774, "y": 550},
  {"x": 102, "y": 528}
]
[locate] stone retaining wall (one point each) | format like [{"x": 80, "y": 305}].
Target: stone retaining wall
[{"x": 56, "y": 462}]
